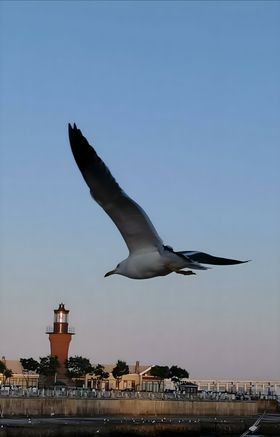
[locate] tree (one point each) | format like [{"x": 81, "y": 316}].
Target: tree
[
  {"x": 48, "y": 366},
  {"x": 119, "y": 370},
  {"x": 100, "y": 374},
  {"x": 160, "y": 372},
  {"x": 7, "y": 373},
  {"x": 29, "y": 366},
  {"x": 2, "y": 367},
  {"x": 177, "y": 373},
  {"x": 77, "y": 367}
]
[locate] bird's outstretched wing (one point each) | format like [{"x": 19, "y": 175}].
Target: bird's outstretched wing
[
  {"x": 131, "y": 220},
  {"x": 204, "y": 258}
]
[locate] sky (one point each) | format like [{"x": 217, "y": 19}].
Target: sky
[{"x": 181, "y": 100}]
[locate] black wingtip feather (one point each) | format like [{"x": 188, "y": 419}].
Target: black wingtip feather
[
  {"x": 70, "y": 128},
  {"x": 205, "y": 258},
  {"x": 82, "y": 151}
]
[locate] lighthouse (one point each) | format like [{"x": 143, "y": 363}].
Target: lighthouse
[{"x": 60, "y": 335}]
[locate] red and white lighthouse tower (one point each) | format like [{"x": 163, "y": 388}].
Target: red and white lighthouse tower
[{"x": 60, "y": 336}]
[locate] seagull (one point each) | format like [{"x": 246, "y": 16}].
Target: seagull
[{"x": 148, "y": 256}]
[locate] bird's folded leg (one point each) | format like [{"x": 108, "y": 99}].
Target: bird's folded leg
[{"x": 185, "y": 272}]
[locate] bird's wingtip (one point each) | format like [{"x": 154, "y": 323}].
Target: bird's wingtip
[{"x": 72, "y": 128}]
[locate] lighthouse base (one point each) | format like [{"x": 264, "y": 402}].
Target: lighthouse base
[{"x": 55, "y": 380}]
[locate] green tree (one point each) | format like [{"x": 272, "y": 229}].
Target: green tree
[
  {"x": 176, "y": 374},
  {"x": 77, "y": 367},
  {"x": 29, "y": 366},
  {"x": 48, "y": 365},
  {"x": 160, "y": 372},
  {"x": 7, "y": 373},
  {"x": 2, "y": 367},
  {"x": 100, "y": 374},
  {"x": 119, "y": 371}
]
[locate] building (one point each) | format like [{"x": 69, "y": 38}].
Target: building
[
  {"x": 252, "y": 387},
  {"x": 137, "y": 379},
  {"x": 60, "y": 335}
]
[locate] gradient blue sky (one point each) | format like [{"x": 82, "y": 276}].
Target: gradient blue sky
[{"x": 181, "y": 100}]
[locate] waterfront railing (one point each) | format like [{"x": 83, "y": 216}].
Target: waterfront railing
[{"x": 82, "y": 393}]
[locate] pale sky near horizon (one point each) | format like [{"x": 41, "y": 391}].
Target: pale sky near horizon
[{"x": 181, "y": 100}]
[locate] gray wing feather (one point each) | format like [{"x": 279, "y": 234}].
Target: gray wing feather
[{"x": 131, "y": 220}]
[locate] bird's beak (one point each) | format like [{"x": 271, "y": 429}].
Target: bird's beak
[{"x": 109, "y": 273}]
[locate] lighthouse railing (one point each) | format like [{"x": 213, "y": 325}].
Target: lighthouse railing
[{"x": 50, "y": 330}]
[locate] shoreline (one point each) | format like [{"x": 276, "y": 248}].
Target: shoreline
[{"x": 134, "y": 426}]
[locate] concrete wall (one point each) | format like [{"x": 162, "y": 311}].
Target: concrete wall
[{"x": 130, "y": 407}]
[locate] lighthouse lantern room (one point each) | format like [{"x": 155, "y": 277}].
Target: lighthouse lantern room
[{"x": 60, "y": 324}]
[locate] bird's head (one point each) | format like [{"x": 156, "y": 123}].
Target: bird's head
[{"x": 116, "y": 271}]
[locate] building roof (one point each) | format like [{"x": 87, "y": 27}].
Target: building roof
[
  {"x": 14, "y": 365},
  {"x": 133, "y": 368}
]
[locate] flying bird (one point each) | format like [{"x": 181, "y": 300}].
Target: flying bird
[{"x": 148, "y": 256}]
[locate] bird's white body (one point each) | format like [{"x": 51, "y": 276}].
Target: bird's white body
[
  {"x": 149, "y": 263},
  {"x": 142, "y": 265}
]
